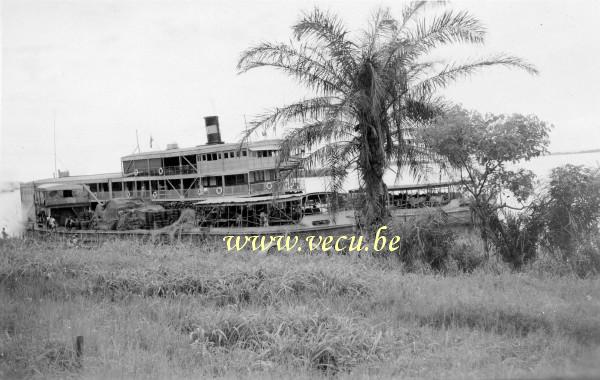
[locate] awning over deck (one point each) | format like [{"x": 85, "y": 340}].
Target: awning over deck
[
  {"x": 59, "y": 186},
  {"x": 422, "y": 186},
  {"x": 417, "y": 186},
  {"x": 238, "y": 201}
]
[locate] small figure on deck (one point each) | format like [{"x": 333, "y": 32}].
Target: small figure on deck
[
  {"x": 70, "y": 223},
  {"x": 51, "y": 222},
  {"x": 41, "y": 218},
  {"x": 4, "y": 234},
  {"x": 238, "y": 219},
  {"x": 264, "y": 219}
]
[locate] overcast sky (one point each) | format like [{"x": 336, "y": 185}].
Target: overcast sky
[{"x": 104, "y": 69}]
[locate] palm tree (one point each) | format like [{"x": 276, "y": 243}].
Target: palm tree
[{"x": 370, "y": 91}]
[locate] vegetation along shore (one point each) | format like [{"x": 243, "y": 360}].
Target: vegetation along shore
[{"x": 180, "y": 311}]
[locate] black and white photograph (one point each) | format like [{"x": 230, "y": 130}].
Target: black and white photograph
[{"x": 318, "y": 189}]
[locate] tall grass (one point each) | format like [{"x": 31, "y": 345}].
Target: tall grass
[{"x": 149, "y": 311}]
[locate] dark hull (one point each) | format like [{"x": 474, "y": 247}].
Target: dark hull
[{"x": 196, "y": 236}]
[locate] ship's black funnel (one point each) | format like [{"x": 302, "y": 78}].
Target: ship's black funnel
[{"x": 213, "y": 133}]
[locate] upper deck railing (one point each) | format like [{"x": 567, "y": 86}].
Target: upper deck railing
[
  {"x": 166, "y": 171},
  {"x": 216, "y": 167},
  {"x": 253, "y": 189}
]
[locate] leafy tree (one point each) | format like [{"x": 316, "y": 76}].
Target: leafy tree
[
  {"x": 371, "y": 91},
  {"x": 483, "y": 147},
  {"x": 571, "y": 209}
]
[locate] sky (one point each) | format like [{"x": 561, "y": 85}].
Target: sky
[{"x": 101, "y": 70}]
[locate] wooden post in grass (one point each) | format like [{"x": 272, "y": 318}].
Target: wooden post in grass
[{"x": 79, "y": 349}]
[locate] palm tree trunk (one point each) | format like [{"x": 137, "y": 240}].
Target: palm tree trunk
[{"x": 372, "y": 163}]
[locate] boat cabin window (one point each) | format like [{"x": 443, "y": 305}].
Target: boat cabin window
[
  {"x": 244, "y": 153},
  {"x": 264, "y": 153},
  {"x": 117, "y": 186},
  {"x": 263, "y": 175},
  {"x": 212, "y": 181},
  {"x": 67, "y": 193},
  {"x": 257, "y": 176},
  {"x": 211, "y": 157},
  {"x": 171, "y": 162},
  {"x": 270, "y": 175},
  {"x": 236, "y": 179},
  {"x": 93, "y": 187}
]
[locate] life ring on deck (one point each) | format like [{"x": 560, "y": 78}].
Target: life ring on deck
[
  {"x": 219, "y": 190},
  {"x": 154, "y": 194},
  {"x": 161, "y": 171},
  {"x": 128, "y": 194},
  {"x": 136, "y": 172},
  {"x": 269, "y": 185}
]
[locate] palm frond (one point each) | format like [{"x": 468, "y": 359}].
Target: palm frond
[
  {"x": 302, "y": 63},
  {"x": 314, "y": 134},
  {"x": 327, "y": 30},
  {"x": 307, "y": 109},
  {"x": 382, "y": 26},
  {"x": 321, "y": 156},
  {"x": 452, "y": 72},
  {"x": 415, "y": 7},
  {"x": 449, "y": 27}
]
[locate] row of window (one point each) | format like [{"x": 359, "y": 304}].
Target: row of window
[
  {"x": 263, "y": 175},
  {"x": 238, "y": 154},
  {"x": 264, "y": 153},
  {"x": 223, "y": 155},
  {"x": 130, "y": 166},
  {"x": 209, "y": 181}
]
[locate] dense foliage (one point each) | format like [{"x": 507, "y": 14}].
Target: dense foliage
[
  {"x": 570, "y": 214},
  {"x": 483, "y": 148}
]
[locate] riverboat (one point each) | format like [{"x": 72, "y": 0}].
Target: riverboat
[{"x": 233, "y": 189}]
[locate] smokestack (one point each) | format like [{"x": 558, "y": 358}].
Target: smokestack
[{"x": 213, "y": 134}]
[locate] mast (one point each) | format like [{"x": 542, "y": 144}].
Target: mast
[
  {"x": 137, "y": 142},
  {"x": 54, "y": 174}
]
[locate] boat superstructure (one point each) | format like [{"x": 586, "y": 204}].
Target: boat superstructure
[{"x": 249, "y": 175}]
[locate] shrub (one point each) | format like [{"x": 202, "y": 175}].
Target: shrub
[
  {"x": 585, "y": 258},
  {"x": 424, "y": 241},
  {"x": 569, "y": 214},
  {"x": 516, "y": 237},
  {"x": 572, "y": 208},
  {"x": 467, "y": 253}
]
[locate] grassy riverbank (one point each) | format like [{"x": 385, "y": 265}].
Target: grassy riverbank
[{"x": 179, "y": 311}]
